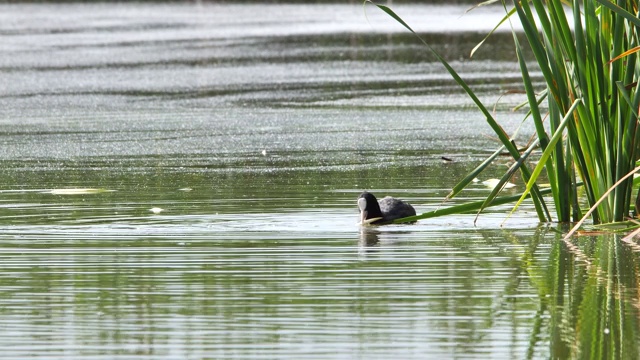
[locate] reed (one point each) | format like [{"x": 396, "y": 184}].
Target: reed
[{"x": 588, "y": 131}]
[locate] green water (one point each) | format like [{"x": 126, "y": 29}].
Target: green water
[{"x": 179, "y": 182}]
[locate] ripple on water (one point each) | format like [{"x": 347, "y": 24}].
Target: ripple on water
[
  {"x": 227, "y": 284},
  {"x": 261, "y": 258}
]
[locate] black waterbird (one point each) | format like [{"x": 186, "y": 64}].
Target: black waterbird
[{"x": 374, "y": 212}]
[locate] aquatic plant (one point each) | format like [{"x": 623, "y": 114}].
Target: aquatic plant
[{"x": 588, "y": 134}]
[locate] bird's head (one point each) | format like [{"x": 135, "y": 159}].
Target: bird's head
[{"x": 369, "y": 209}]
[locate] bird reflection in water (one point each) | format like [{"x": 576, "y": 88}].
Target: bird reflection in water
[{"x": 369, "y": 237}]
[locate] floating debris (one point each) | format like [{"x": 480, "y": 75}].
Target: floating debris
[
  {"x": 264, "y": 152},
  {"x": 494, "y": 182},
  {"x": 185, "y": 189},
  {"x": 77, "y": 191},
  {"x": 156, "y": 210}
]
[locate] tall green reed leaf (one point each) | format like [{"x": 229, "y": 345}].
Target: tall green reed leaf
[
  {"x": 469, "y": 207},
  {"x": 586, "y": 51},
  {"x": 538, "y": 200},
  {"x": 547, "y": 153}
]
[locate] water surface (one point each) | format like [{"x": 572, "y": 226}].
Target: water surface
[{"x": 223, "y": 147}]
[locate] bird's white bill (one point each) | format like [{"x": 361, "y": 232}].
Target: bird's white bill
[
  {"x": 362, "y": 204},
  {"x": 363, "y": 215},
  {"x": 364, "y": 221}
]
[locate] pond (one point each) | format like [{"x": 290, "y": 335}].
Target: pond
[{"x": 179, "y": 181}]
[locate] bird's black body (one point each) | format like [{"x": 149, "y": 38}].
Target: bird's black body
[{"x": 374, "y": 212}]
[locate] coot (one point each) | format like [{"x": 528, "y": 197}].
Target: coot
[{"x": 374, "y": 212}]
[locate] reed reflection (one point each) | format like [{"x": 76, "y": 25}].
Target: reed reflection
[{"x": 588, "y": 299}]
